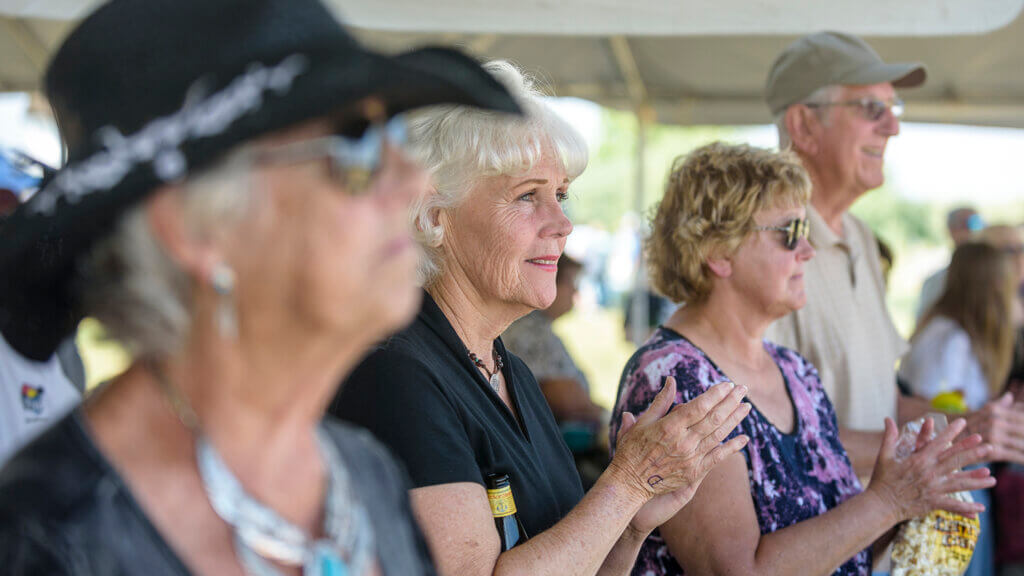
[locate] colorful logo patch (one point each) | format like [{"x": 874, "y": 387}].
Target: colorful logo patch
[{"x": 32, "y": 398}]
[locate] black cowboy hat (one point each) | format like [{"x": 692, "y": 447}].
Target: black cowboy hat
[{"x": 148, "y": 91}]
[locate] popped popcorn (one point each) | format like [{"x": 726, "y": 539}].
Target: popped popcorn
[{"x": 941, "y": 543}]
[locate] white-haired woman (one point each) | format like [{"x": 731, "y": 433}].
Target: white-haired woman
[
  {"x": 448, "y": 398},
  {"x": 240, "y": 229}
]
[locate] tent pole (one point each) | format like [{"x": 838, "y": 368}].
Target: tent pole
[
  {"x": 639, "y": 305},
  {"x": 645, "y": 115}
]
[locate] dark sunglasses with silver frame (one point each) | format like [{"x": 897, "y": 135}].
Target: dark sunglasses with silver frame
[
  {"x": 354, "y": 161},
  {"x": 795, "y": 230}
]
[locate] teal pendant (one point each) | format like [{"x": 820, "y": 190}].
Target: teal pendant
[{"x": 330, "y": 563}]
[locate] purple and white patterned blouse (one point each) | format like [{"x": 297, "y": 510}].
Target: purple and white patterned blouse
[{"x": 793, "y": 477}]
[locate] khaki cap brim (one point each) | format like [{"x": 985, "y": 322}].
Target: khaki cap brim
[
  {"x": 832, "y": 59},
  {"x": 900, "y": 75}
]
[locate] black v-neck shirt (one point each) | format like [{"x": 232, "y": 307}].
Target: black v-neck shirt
[{"x": 421, "y": 395}]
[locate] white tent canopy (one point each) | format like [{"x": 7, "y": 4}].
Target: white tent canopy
[
  {"x": 674, "y": 61},
  {"x": 690, "y": 61}
]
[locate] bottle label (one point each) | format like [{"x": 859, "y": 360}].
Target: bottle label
[{"x": 501, "y": 502}]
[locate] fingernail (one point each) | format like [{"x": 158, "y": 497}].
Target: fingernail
[{"x": 731, "y": 384}]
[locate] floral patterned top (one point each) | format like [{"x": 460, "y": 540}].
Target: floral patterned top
[{"x": 793, "y": 477}]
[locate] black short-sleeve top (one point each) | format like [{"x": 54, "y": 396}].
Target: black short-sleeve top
[{"x": 421, "y": 395}]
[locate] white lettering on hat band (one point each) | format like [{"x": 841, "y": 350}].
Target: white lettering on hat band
[{"x": 159, "y": 140}]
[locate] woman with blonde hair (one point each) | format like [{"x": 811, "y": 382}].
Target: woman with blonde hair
[
  {"x": 964, "y": 346},
  {"x": 729, "y": 240},
  {"x": 964, "y": 342}
]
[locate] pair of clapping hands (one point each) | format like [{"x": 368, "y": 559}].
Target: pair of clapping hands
[{"x": 667, "y": 451}]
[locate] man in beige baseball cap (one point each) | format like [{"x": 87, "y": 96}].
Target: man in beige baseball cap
[
  {"x": 835, "y": 104},
  {"x": 832, "y": 59}
]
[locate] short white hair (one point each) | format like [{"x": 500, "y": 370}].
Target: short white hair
[
  {"x": 128, "y": 282},
  {"x": 823, "y": 94},
  {"x": 459, "y": 145}
]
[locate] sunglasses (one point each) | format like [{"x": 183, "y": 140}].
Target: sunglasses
[
  {"x": 354, "y": 161},
  {"x": 795, "y": 230},
  {"x": 871, "y": 108}
]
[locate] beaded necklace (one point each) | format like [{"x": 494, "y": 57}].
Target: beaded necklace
[{"x": 492, "y": 376}]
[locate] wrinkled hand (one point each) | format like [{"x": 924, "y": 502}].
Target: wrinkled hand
[
  {"x": 1001, "y": 424},
  {"x": 665, "y": 453},
  {"x": 926, "y": 480}
]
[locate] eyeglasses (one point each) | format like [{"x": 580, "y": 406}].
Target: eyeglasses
[
  {"x": 871, "y": 108},
  {"x": 354, "y": 162},
  {"x": 795, "y": 230}
]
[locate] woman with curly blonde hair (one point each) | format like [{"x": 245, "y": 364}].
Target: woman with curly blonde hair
[{"x": 729, "y": 241}]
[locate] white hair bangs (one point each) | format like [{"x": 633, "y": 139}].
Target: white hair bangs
[{"x": 459, "y": 145}]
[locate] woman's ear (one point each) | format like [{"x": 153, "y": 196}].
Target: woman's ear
[
  {"x": 165, "y": 215},
  {"x": 428, "y": 218},
  {"x": 802, "y": 124},
  {"x": 721, "y": 267}
]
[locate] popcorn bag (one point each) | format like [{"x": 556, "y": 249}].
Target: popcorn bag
[{"x": 941, "y": 543}]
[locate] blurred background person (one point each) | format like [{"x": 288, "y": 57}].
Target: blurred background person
[
  {"x": 33, "y": 394},
  {"x": 658, "y": 310},
  {"x": 241, "y": 228},
  {"x": 1008, "y": 495},
  {"x": 964, "y": 342},
  {"x": 729, "y": 241},
  {"x": 563, "y": 384},
  {"x": 456, "y": 406},
  {"x": 961, "y": 223},
  {"x": 961, "y": 352}
]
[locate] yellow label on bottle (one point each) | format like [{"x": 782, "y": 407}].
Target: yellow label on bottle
[{"x": 501, "y": 502}]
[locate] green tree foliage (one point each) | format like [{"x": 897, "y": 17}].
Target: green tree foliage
[{"x": 901, "y": 222}]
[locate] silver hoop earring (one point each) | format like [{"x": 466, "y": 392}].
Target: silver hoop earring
[{"x": 222, "y": 279}]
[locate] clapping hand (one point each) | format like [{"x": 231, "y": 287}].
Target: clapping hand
[
  {"x": 926, "y": 479},
  {"x": 1001, "y": 424},
  {"x": 667, "y": 451}
]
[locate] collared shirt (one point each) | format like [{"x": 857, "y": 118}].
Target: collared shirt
[{"x": 845, "y": 329}]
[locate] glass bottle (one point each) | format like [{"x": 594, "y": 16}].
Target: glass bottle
[{"x": 503, "y": 508}]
